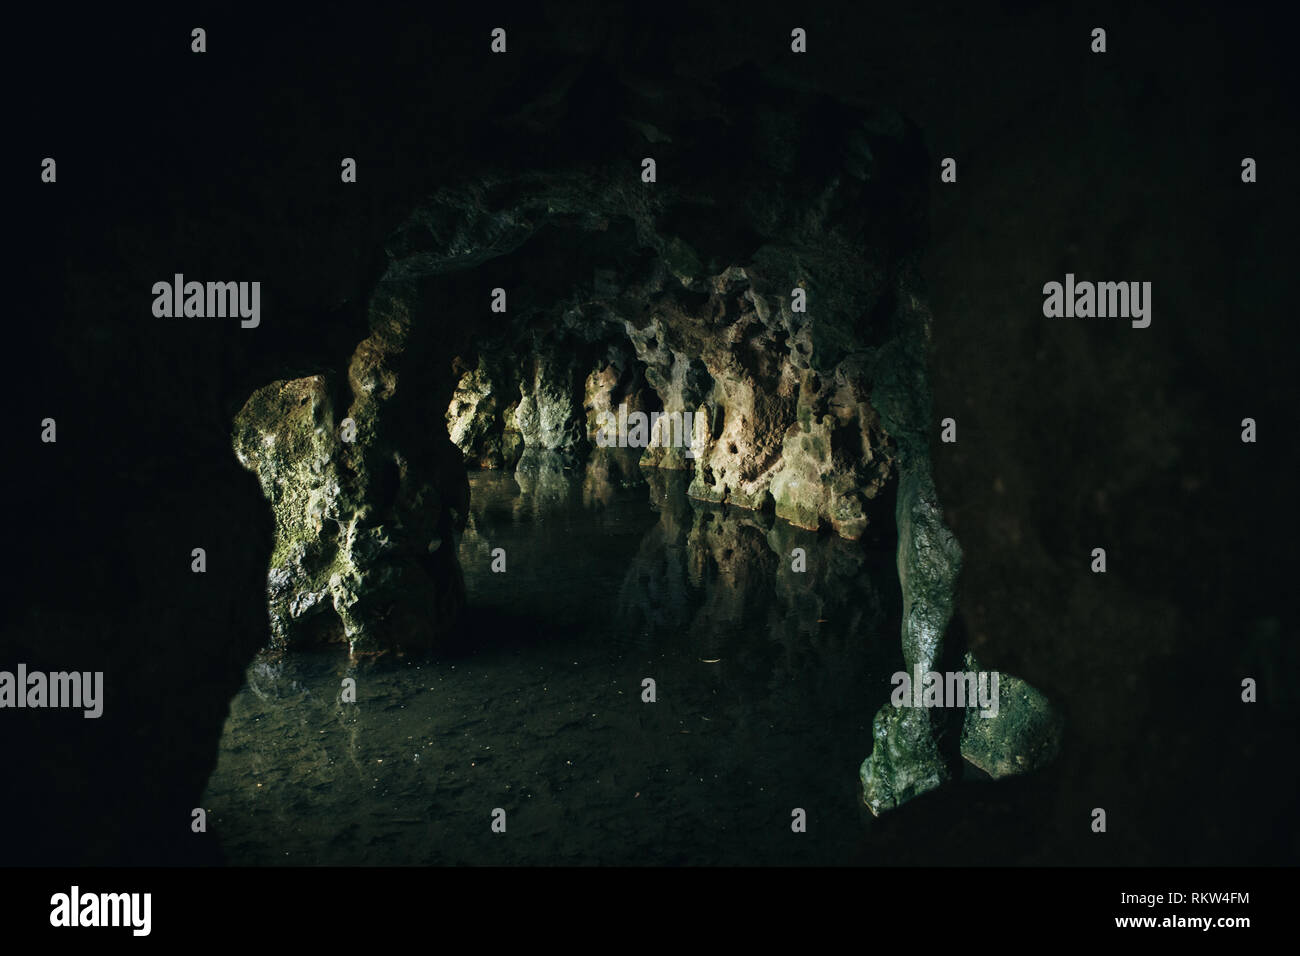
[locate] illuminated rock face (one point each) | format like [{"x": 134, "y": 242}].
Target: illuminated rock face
[
  {"x": 777, "y": 302},
  {"x": 777, "y": 306}
]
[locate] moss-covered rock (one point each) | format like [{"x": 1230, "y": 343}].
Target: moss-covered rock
[
  {"x": 905, "y": 761},
  {"x": 1024, "y": 735},
  {"x": 285, "y": 434},
  {"x": 360, "y": 522}
]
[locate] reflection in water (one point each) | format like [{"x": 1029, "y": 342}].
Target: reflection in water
[{"x": 766, "y": 681}]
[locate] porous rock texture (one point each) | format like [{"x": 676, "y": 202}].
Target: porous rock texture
[
  {"x": 1073, "y": 434},
  {"x": 778, "y": 305},
  {"x": 776, "y": 301}
]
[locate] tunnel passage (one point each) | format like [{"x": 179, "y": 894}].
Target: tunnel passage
[{"x": 776, "y": 301}]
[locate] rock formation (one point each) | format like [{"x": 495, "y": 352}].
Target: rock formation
[{"x": 777, "y": 301}]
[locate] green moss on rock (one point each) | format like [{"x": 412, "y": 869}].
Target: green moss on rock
[
  {"x": 905, "y": 761},
  {"x": 1024, "y": 736}
]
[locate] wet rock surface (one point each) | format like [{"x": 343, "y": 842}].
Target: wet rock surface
[
  {"x": 778, "y": 318},
  {"x": 1024, "y": 735},
  {"x": 1071, "y": 436},
  {"x": 785, "y": 325},
  {"x": 546, "y": 718}
]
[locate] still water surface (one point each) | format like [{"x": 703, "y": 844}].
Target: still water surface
[{"x": 766, "y": 681}]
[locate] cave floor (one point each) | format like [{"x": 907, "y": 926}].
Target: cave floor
[{"x": 765, "y": 683}]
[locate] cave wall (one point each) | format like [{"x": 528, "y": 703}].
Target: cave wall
[
  {"x": 795, "y": 333},
  {"x": 143, "y": 470},
  {"x": 676, "y": 295}
]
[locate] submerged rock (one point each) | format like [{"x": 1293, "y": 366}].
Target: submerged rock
[
  {"x": 1023, "y": 736},
  {"x": 905, "y": 761}
]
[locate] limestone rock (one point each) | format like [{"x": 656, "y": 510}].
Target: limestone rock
[{"x": 777, "y": 302}]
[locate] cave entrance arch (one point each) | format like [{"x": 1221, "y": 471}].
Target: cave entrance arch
[{"x": 777, "y": 301}]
